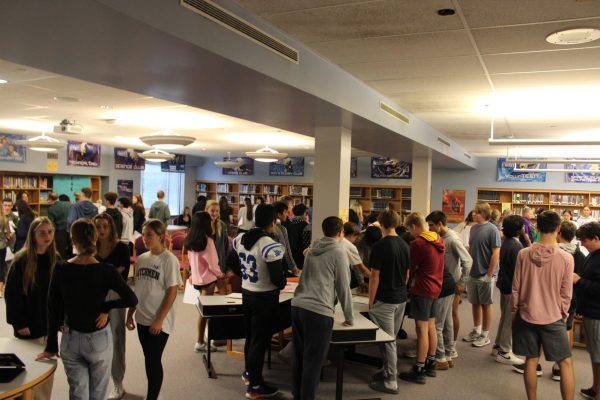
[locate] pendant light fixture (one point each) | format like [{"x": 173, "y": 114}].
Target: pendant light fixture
[
  {"x": 157, "y": 155},
  {"x": 168, "y": 140},
  {"x": 41, "y": 143},
  {"x": 229, "y": 163},
  {"x": 266, "y": 154}
]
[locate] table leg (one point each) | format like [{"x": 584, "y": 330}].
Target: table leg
[
  {"x": 339, "y": 380},
  {"x": 27, "y": 395},
  {"x": 206, "y": 358}
]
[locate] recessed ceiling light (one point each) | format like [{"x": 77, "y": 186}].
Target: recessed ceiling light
[
  {"x": 574, "y": 36},
  {"x": 67, "y": 99},
  {"x": 3, "y": 81}
]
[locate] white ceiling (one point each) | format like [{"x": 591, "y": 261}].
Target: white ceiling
[{"x": 444, "y": 69}]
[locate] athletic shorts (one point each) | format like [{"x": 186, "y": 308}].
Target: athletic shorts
[
  {"x": 480, "y": 290},
  {"x": 422, "y": 308},
  {"x": 592, "y": 338},
  {"x": 529, "y": 338}
]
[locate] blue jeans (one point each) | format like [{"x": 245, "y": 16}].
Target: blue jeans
[{"x": 87, "y": 359}]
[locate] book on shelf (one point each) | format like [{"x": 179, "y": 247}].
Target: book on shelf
[
  {"x": 356, "y": 192},
  {"x": 249, "y": 189},
  {"x": 595, "y": 201},
  {"x": 272, "y": 189},
  {"x": 202, "y": 187},
  {"x": 488, "y": 196},
  {"x": 567, "y": 199},
  {"x": 528, "y": 198},
  {"x": 223, "y": 188},
  {"x": 296, "y": 190},
  {"x": 382, "y": 193}
]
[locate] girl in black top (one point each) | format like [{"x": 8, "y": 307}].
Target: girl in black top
[
  {"x": 77, "y": 303},
  {"x": 226, "y": 212},
  {"x": 112, "y": 251},
  {"x": 139, "y": 213},
  {"x": 27, "y": 288},
  {"x": 26, "y": 216},
  {"x": 184, "y": 219}
]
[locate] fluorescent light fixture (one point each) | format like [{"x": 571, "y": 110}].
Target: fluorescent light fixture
[
  {"x": 266, "y": 154},
  {"x": 574, "y": 36},
  {"x": 592, "y": 171},
  {"x": 41, "y": 143},
  {"x": 157, "y": 155},
  {"x": 168, "y": 140},
  {"x": 229, "y": 163},
  {"x": 551, "y": 161},
  {"x": 543, "y": 142}
]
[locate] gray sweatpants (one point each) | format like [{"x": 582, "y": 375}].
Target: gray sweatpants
[
  {"x": 388, "y": 317},
  {"x": 444, "y": 326},
  {"x": 117, "y": 326},
  {"x": 504, "y": 336}
]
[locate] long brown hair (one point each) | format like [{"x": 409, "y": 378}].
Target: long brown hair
[
  {"x": 140, "y": 201},
  {"x": 112, "y": 236},
  {"x": 29, "y": 253},
  {"x": 84, "y": 236}
]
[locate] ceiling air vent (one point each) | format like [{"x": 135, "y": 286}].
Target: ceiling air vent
[
  {"x": 467, "y": 155},
  {"x": 232, "y": 22},
  {"x": 394, "y": 113},
  {"x": 443, "y": 141}
]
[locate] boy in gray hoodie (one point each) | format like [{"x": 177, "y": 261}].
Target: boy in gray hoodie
[{"x": 325, "y": 276}]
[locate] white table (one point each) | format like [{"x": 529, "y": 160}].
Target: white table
[{"x": 36, "y": 372}]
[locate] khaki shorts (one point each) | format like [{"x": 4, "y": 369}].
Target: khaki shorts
[{"x": 480, "y": 290}]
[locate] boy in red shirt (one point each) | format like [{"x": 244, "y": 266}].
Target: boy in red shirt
[{"x": 426, "y": 273}]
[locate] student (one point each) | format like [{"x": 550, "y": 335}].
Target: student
[
  {"x": 5, "y": 235},
  {"x": 200, "y": 204},
  {"x": 204, "y": 265},
  {"x": 184, "y": 219},
  {"x": 426, "y": 273},
  {"x": 365, "y": 242},
  {"x": 156, "y": 282},
  {"x": 257, "y": 258},
  {"x": 585, "y": 217},
  {"x": 527, "y": 237},
  {"x": 159, "y": 209},
  {"x": 124, "y": 206},
  {"x": 245, "y": 216},
  {"x": 325, "y": 277},
  {"x": 457, "y": 262},
  {"x": 225, "y": 211},
  {"x": 484, "y": 246},
  {"x": 358, "y": 270},
  {"x": 221, "y": 238},
  {"x": 77, "y": 303},
  {"x": 389, "y": 264},
  {"x": 301, "y": 233},
  {"x": 83, "y": 208},
  {"x": 111, "y": 251},
  {"x": 26, "y": 217},
  {"x": 58, "y": 213},
  {"x": 587, "y": 289},
  {"x": 139, "y": 212},
  {"x": 27, "y": 289},
  {"x": 281, "y": 235},
  {"x": 541, "y": 295},
  {"x": 512, "y": 226},
  {"x": 111, "y": 209},
  {"x": 464, "y": 229}
]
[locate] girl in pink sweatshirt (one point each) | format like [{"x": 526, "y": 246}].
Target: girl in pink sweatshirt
[{"x": 204, "y": 265}]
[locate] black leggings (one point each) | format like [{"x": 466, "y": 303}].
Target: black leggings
[
  {"x": 153, "y": 346},
  {"x": 3, "y": 265}
]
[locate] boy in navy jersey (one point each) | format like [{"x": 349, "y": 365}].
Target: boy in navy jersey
[{"x": 257, "y": 258}]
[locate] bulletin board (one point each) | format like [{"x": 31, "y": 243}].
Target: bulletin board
[{"x": 70, "y": 184}]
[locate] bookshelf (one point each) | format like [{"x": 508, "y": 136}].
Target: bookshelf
[
  {"x": 556, "y": 200},
  {"x": 37, "y": 187},
  {"x": 370, "y": 197}
]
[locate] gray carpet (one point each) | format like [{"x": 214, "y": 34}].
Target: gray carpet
[{"x": 476, "y": 375}]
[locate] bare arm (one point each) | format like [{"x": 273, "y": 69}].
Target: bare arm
[
  {"x": 493, "y": 261},
  {"x": 165, "y": 307},
  {"x": 373, "y": 286}
]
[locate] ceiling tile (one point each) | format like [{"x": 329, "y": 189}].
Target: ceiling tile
[
  {"x": 547, "y": 79},
  {"x": 486, "y": 13},
  {"x": 267, "y": 7},
  {"x": 364, "y": 20},
  {"x": 434, "y": 84},
  {"x": 447, "y": 44},
  {"x": 525, "y": 38},
  {"x": 543, "y": 61}
]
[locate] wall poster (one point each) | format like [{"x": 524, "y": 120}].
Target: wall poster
[
  {"x": 83, "y": 154},
  {"x": 390, "y": 168},
  {"x": 125, "y": 188},
  {"x": 583, "y": 177},
  {"x": 289, "y": 166},
  {"x": 453, "y": 205},
  {"x": 175, "y": 165},
  {"x": 506, "y": 172},
  {"x": 9, "y": 151},
  {"x": 247, "y": 168},
  {"x": 129, "y": 159}
]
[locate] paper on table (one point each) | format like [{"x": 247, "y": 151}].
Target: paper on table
[
  {"x": 190, "y": 295},
  {"x": 290, "y": 287},
  {"x": 360, "y": 299},
  {"x": 234, "y": 296}
]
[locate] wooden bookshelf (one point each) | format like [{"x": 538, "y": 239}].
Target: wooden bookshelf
[
  {"x": 556, "y": 200},
  {"x": 37, "y": 187},
  {"x": 378, "y": 198}
]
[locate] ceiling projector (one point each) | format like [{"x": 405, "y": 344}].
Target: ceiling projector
[{"x": 68, "y": 127}]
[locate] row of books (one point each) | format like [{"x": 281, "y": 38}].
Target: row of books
[
  {"x": 21, "y": 182},
  {"x": 295, "y": 190},
  {"x": 249, "y": 188},
  {"x": 381, "y": 193},
  {"x": 567, "y": 199},
  {"x": 528, "y": 198},
  {"x": 223, "y": 188}
]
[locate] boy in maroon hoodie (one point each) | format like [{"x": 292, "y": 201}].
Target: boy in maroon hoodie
[{"x": 426, "y": 274}]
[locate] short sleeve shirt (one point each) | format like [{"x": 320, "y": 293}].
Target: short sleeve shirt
[
  {"x": 390, "y": 256},
  {"x": 253, "y": 262},
  {"x": 483, "y": 239},
  {"x": 351, "y": 252}
]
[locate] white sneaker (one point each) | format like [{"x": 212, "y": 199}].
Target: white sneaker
[
  {"x": 508, "y": 358},
  {"x": 453, "y": 354},
  {"x": 481, "y": 341},
  {"x": 117, "y": 393},
  {"x": 472, "y": 336},
  {"x": 198, "y": 347}
]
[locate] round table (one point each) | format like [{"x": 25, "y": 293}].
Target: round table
[
  {"x": 36, "y": 372},
  {"x": 174, "y": 228}
]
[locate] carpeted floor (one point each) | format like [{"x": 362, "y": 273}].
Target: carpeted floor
[{"x": 476, "y": 375}]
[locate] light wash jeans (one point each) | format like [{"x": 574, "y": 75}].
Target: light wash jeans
[
  {"x": 504, "y": 335},
  {"x": 388, "y": 317},
  {"x": 116, "y": 317},
  {"x": 87, "y": 359},
  {"x": 444, "y": 327}
]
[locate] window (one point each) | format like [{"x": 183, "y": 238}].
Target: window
[{"x": 172, "y": 183}]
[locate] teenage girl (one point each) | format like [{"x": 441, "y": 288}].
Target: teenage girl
[
  {"x": 156, "y": 282},
  {"x": 219, "y": 235}
]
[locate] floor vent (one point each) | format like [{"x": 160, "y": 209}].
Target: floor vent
[
  {"x": 394, "y": 113},
  {"x": 230, "y": 21}
]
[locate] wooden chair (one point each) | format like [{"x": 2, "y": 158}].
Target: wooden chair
[
  {"x": 576, "y": 334},
  {"x": 178, "y": 249}
]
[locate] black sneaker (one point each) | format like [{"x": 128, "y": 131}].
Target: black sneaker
[
  {"x": 556, "y": 374},
  {"x": 430, "y": 369},
  {"x": 379, "y": 376},
  {"x": 261, "y": 392},
  {"x": 520, "y": 368},
  {"x": 415, "y": 374},
  {"x": 589, "y": 393},
  {"x": 245, "y": 378}
]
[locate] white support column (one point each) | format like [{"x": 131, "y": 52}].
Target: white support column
[
  {"x": 421, "y": 180},
  {"x": 331, "y": 191}
]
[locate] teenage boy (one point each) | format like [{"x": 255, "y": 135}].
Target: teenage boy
[
  {"x": 113, "y": 211},
  {"x": 426, "y": 272},
  {"x": 257, "y": 259},
  {"x": 159, "y": 209},
  {"x": 457, "y": 262},
  {"x": 358, "y": 269},
  {"x": 587, "y": 289},
  {"x": 282, "y": 236},
  {"x": 389, "y": 264},
  {"x": 484, "y": 246},
  {"x": 325, "y": 276},
  {"x": 512, "y": 227},
  {"x": 83, "y": 208},
  {"x": 541, "y": 295}
]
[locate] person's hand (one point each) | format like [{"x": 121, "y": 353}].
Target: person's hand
[
  {"x": 576, "y": 278},
  {"x": 120, "y": 269},
  {"x": 24, "y": 331},
  {"x": 460, "y": 288},
  {"x": 296, "y": 271},
  {"x": 156, "y": 327},
  {"x": 102, "y": 320},
  {"x": 347, "y": 323},
  {"x": 130, "y": 324},
  {"x": 46, "y": 355}
]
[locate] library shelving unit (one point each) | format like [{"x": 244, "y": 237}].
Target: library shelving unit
[
  {"x": 556, "y": 200},
  {"x": 37, "y": 187},
  {"x": 371, "y": 197}
]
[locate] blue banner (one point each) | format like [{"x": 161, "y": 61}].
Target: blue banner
[
  {"x": 583, "y": 177},
  {"x": 506, "y": 172}
]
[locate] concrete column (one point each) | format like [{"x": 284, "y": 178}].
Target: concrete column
[
  {"x": 331, "y": 190},
  {"x": 421, "y": 180}
]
